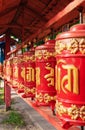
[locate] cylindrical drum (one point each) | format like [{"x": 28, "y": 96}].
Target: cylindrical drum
[
  {"x": 30, "y": 83},
  {"x": 8, "y": 70},
  {"x": 15, "y": 72},
  {"x": 45, "y": 71},
  {"x": 4, "y": 69},
  {"x": 70, "y": 75},
  {"x": 21, "y": 72},
  {"x": 11, "y": 70}
]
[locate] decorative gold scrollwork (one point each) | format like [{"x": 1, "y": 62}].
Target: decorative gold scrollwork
[
  {"x": 45, "y": 97},
  {"x": 73, "y": 45},
  {"x": 82, "y": 45},
  {"x": 73, "y": 111},
  {"x": 82, "y": 113},
  {"x": 29, "y": 58},
  {"x": 39, "y": 97},
  {"x": 48, "y": 98},
  {"x": 21, "y": 86},
  {"x": 29, "y": 90},
  {"x": 45, "y": 54},
  {"x": 60, "y": 46}
]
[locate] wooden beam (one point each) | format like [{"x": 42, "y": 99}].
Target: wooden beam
[
  {"x": 37, "y": 14},
  {"x": 15, "y": 26},
  {"x": 9, "y": 26},
  {"x": 68, "y": 9},
  {"x": 8, "y": 10},
  {"x": 61, "y": 15},
  {"x": 19, "y": 11}
]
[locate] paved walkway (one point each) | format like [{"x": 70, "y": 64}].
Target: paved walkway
[
  {"x": 35, "y": 117},
  {"x": 34, "y": 121}
]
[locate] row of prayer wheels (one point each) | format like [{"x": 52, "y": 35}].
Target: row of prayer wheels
[{"x": 54, "y": 75}]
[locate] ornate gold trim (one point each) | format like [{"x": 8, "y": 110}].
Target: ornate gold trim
[
  {"x": 72, "y": 44},
  {"x": 29, "y": 58},
  {"x": 45, "y": 97},
  {"x": 44, "y": 54},
  {"x": 15, "y": 60},
  {"x": 73, "y": 111},
  {"x": 21, "y": 86},
  {"x": 29, "y": 90}
]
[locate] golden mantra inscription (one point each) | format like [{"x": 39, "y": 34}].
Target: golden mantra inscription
[
  {"x": 50, "y": 76},
  {"x": 37, "y": 76},
  {"x": 23, "y": 72},
  {"x": 45, "y": 97},
  {"x": 73, "y": 45},
  {"x": 69, "y": 82},
  {"x": 15, "y": 72},
  {"x": 73, "y": 111},
  {"x": 30, "y": 74}
]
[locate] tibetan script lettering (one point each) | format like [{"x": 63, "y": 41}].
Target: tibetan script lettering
[
  {"x": 69, "y": 81},
  {"x": 23, "y": 72},
  {"x": 15, "y": 72},
  {"x": 37, "y": 75},
  {"x": 50, "y": 75},
  {"x": 30, "y": 74}
]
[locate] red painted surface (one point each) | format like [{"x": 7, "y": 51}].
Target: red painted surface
[
  {"x": 21, "y": 73},
  {"x": 7, "y": 95},
  {"x": 70, "y": 75},
  {"x": 15, "y": 72},
  {"x": 8, "y": 70},
  {"x": 45, "y": 69},
  {"x": 7, "y": 90},
  {"x": 30, "y": 82}
]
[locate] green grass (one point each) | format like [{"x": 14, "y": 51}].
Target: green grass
[
  {"x": 14, "y": 118},
  {"x": 1, "y": 90},
  {"x": 1, "y": 96}
]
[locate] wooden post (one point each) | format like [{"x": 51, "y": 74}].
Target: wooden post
[{"x": 7, "y": 89}]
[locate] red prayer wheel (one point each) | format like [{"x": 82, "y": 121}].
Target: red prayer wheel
[
  {"x": 70, "y": 76},
  {"x": 15, "y": 72},
  {"x": 21, "y": 72},
  {"x": 11, "y": 70},
  {"x": 4, "y": 69},
  {"x": 45, "y": 69},
  {"x": 30, "y": 83},
  {"x": 8, "y": 70}
]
